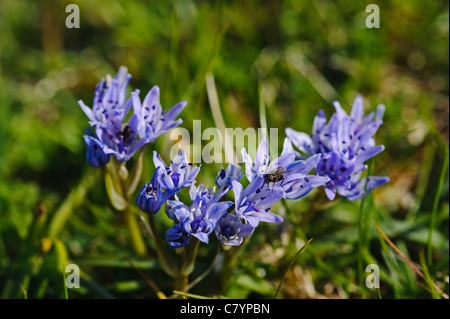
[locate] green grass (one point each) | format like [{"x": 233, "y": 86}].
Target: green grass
[{"x": 274, "y": 64}]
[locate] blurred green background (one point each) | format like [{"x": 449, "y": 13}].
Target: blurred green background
[{"x": 288, "y": 57}]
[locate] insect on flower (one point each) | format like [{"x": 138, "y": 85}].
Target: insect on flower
[{"x": 275, "y": 176}]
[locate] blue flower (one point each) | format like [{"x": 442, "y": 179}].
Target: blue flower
[
  {"x": 153, "y": 120},
  {"x": 109, "y": 99},
  {"x": 226, "y": 176},
  {"x": 345, "y": 143},
  {"x": 94, "y": 152},
  {"x": 199, "y": 219},
  {"x": 208, "y": 194},
  {"x": 197, "y": 222},
  {"x": 253, "y": 203},
  {"x": 204, "y": 192},
  {"x": 231, "y": 231},
  {"x": 120, "y": 139},
  {"x": 292, "y": 176},
  {"x": 177, "y": 237},
  {"x": 176, "y": 210},
  {"x": 181, "y": 173},
  {"x": 108, "y": 114},
  {"x": 151, "y": 198}
]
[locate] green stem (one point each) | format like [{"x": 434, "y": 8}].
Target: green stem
[
  {"x": 137, "y": 241},
  {"x": 361, "y": 247},
  {"x": 135, "y": 233},
  {"x": 229, "y": 260},
  {"x": 181, "y": 281},
  {"x": 163, "y": 257},
  {"x": 188, "y": 265},
  {"x": 227, "y": 269}
]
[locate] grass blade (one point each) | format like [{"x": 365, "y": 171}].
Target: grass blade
[
  {"x": 435, "y": 207},
  {"x": 409, "y": 262},
  {"x": 289, "y": 267},
  {"x": 150, "y": 282}
]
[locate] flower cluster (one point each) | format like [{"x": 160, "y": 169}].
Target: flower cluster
[
  {"x": 345, "y": 143},
  {"x": 337, "y": 151},
  {"x": 113, "y": 134},
  {"x": 285, "y": 177},
  {"x": 200, "y": 218}
]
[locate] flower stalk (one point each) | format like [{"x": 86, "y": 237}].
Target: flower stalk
[
  {"x": 163, "y": 257},
  {"x": 117, "y": 193}
]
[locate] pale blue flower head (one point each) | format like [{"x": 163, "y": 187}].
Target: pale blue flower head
[
  {"x": 120, "y": 139},
  {"x": 177, "y": 237},
  {"x": 94, "y": 152},
  {"x": 292, "y": 174},
  {"x": 151, "y": 197},
  {"x": 199, "y": 219},
  {"x": 345, "y": 143},
  {"x": 109, "y": 99},
  {"x": 179, "y": 174},
  {"x": 107, "y": 117},
  {"x": 253, "y": 203},
  {"x": 224, "y": 178},
  {"x": 231, "y": 231},
  {"x": 153, "y": 120}
]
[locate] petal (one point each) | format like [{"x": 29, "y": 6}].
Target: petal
[
  {"x": 281, "y": 162},
  {"x": 380, "y": 112},
  {"x": 357, "y": 109},
  {"x": 287, "y": 146},
  {"x": 137, "y": 146},
  {"x": 133, "y": 122},
  {"x": 270, "y": 197},
  {"x": 251, "y": 189},
  {"x": 157, "y": 161},
  {"x": 262, "y": 157},
  {"x": 341, "y": 114},
  {"x": 170, "y": 125},
  {"x": 301, "y": 140},
  {"x": 167, "y": 183},
  {"x": 237, "y": 189},
  {"x": 123, "y": 77},
  {"x": 252, "y": 219},
  {"x": 174, "y": 111},
  {"x": 343, "y": 136},
  {"x": 316, "y": 181},
  {"x": 181, "y": 212},
  {"x": 304, "y": 167},
  {"x": 126, "y": 108},
  {"x": 319, "y": 122},
  {"x": 367, "y": 154},
  {"x": 368, "y": 131},
  {"x": 155, "y": 179},
  {"x": 152, "y": 99},
  {"x": 269, "y": 217},
  {"x": 331, "y": 193},
  {"x": 217, "y": 210},
  {"x": 367, "y": 184},
  {"x": 87, "y": 110},
  {"x": 248, "y": 164},
  {"x": 202, "y": 237},
  {"x": 193, "y": 173},
  {"x": 303, "y": 186},
  {"x": 246, "y": 230},
  {"x": 137, "y": 105}
]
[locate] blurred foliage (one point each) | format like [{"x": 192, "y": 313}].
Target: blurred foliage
[{"x": 293, "y": 57}]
